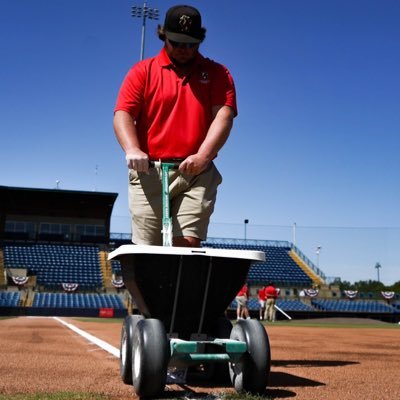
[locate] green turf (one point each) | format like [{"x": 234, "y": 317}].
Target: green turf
[
  {"x": 241, "y": 396},
  {"x": 87, "y": 396},
  {"x": 310, "y": 323},
  {"x": 6, "y": 317},
  {"x": 104, "y": 320},
  {"x": 54, "y": 396},
  {"x": 334, "y": 324}
]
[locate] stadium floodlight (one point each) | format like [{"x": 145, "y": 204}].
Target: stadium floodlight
[
  {"x": 144, "y": 12},
  {"x": 317, "y": 252},
  {"x": 378, "y": 267}
]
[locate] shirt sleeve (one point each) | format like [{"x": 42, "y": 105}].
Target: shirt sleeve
[
  {"x": 130, "y": 96},
  {"x": 223, "y": 91}
]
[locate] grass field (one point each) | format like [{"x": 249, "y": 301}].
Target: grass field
[
  {"x": 84, "y": 396},
  {"x": 335, "y": 323},
  {"x": 318, "y": 323},
  {"x": 54, "y": 396}
]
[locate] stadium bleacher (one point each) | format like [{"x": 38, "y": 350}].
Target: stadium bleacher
[
  {"x": 278, "y": 267},
  {"x": 286, "y": 305},
  {"x": 54, "y": 264},
  {"x": 364, "y": 306},
  {"x": 293, "y": 305},
  {"x": 79, "y": 300},
  {"x": 116, "y": 267},
  {"x": 9, "y": 299}
]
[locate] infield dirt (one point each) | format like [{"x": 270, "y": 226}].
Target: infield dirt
[{"x": 40, "y": 355}]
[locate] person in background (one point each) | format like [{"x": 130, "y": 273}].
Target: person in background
[
  {"x": 175, "y": 107},
  {"x": 271, "y": 295},
  {"x": 242, "y": 298},
  {"x": 261, "y": 301}
]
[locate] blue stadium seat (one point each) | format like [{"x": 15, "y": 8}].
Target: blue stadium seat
[
  {"x": 57, "y": 264},
  {"x": 9, "y": 299},
  {"x": 78, "y": 300},
  {"x": 278, "y": 267},
  {"x": 362, "y": 306}
]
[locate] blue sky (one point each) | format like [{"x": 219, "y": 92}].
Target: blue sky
[{"x": 316, "y": 140}]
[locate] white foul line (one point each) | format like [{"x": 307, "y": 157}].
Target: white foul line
[{"x": 93, "y": 339}]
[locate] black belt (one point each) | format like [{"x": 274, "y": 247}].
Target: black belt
[{"x": 169, "y": 160}]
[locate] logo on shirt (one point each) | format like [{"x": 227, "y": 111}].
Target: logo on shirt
[{"x": 204, "y": 77}]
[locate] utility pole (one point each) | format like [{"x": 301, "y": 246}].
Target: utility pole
[{"x": 246, "y": 221}]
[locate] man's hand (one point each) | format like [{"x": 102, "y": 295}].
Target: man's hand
[
  {"x": 137, "y": 160},
  {"x": 194, "y": 165}
]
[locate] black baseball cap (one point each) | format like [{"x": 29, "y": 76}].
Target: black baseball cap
[{"x": 183, "y": 24}]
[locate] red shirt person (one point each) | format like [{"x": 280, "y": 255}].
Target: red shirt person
[
  {"x": 244, "y": 291},
  {"x": 176, "y": 105},
  {"x": 271, "y": 295},
  {"x": 270, "y": 292},
  {"x": 261, "y": 301},
  {"x": 242, "y": 312}
]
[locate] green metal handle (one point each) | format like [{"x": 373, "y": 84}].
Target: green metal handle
[{"x": 166, "y": 218}]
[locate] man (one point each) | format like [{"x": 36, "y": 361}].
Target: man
[
  {"x": 261, "y": 301},
  {"x": 242, "y": 298},
  {"x": 176, "y": 106},
  {"x": 271, "y": 295}
]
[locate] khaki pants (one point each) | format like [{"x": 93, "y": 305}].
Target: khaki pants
[
  {"x": 192, "y": 200},
  {"x": 270, "y": 310}
]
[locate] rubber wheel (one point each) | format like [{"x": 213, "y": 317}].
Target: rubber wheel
[
  {"x": 125, "y": 358},
  {"x": 150, "y": 357},
  {"x": 250, "y": 373}
]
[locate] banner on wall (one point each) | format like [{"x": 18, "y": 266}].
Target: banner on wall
[
  {"x": 20, "y": 280},
  {"x": 118, "y": 282},
  {"x": 388, "y": 295},
  {"x": 70, "y": 287},
  {"x": 351, "y": 294},
  {"x": 311, "y": 292},
  {"x": 106, "y": 313}
]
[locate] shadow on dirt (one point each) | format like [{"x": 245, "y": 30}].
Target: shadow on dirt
[
  {"x": 188, "y": 394},
  {"x": 279, "y": 394},
  {"x": 311, "y": 363},
  {"x": 279, "y": 379}
]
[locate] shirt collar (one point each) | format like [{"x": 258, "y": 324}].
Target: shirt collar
[{"x": 165, "y": 61}]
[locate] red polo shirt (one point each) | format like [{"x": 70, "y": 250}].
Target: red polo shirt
[
  {"x": 244, "y": 291},
  {"x": 173, "y": 113},
  {"x": 271, "y": 292}
]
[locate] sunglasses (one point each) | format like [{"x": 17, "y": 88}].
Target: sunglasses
[{"x": 181, "y": 45}]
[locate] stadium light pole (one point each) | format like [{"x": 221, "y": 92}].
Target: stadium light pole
[
  {"x": 294, "y": 233},
  {"x": 246, "y": 221},
  {"x": 144, "y": 12},
  {"x": 317, "y": 252},
  {"x": 378, "y": 267}
]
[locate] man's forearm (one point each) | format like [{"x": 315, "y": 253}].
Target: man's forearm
[
  {"x": 126, "y": 132},
  {"x": 218, "y": 133},
  {"x": 216, "y": 137}
]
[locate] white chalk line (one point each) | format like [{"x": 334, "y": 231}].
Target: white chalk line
[
  {"x": 93, "y": 339},
  {"x": 114, "y": 351}
]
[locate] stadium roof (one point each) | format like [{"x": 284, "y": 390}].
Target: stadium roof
[{"x": 56, "y": 202}]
